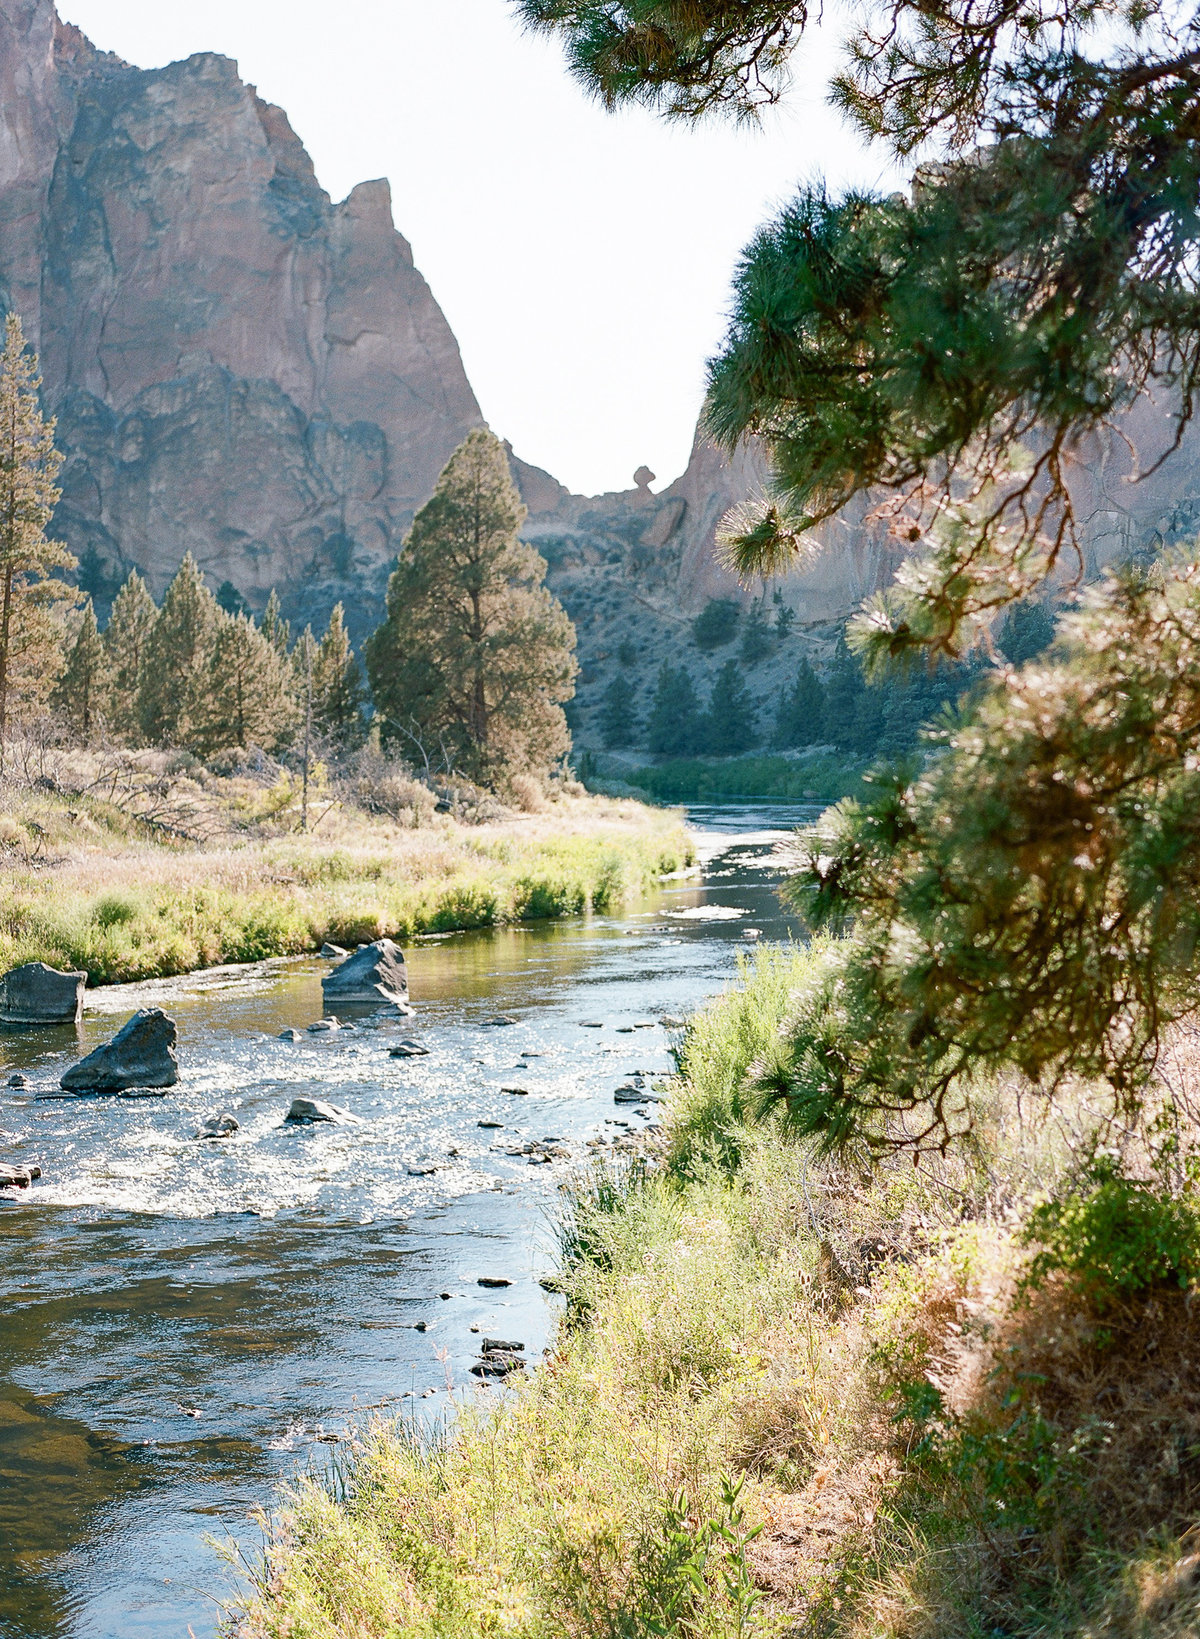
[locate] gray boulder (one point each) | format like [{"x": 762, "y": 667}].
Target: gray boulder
[
  {"x": 408, "y": 1050},
  {"x": 37, "y": 994},
  {"x": 333, "y": 952},
  {"x": 141, "y": 1054},
  {"x": 375, "y": 973},
  {"x": 304, "y": 1111},
  {"x": 221, "y": 1126}
]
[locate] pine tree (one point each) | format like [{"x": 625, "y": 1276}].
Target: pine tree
[
  {"x": 276, "y": 630},
  {"x": 250, "y": 700},
  {"x": 729, "y": 721},
  {"x": 338, "y": 691},
  {"x": 756, "y": 635},
  {"x": 231, "y": 600},
  {"x": 475, "y": 656},
  {"x": 801, "y": 719},
  {"x": 176, "y": 677},
  {"x": 81, "y": 694},
  {"x": 125, "y": 637},
  {"x": 32, "y": 598},
  {"x": 844, "y": 692},
  {"x": 674, "y": 727},
  {"x": 618, "y": 718}
]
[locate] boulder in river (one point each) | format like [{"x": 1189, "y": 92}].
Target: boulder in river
[
  {"x": 18, "y": 1080},
  {"x": 374, "y": 973},
  {"x": 141, "y": 1054},
  {"x": 289, "y": 1035},
  {"x": 334, "y": 952},
  {"x": 408, "y": 1050},
  {"x": 221, "y": 1126},
  {"x": 304, "y": 1111},
  {"x": 18, "y": 1177},
  {"x": 37, "y": 994},
  {"x": 318, "y": 1026}
]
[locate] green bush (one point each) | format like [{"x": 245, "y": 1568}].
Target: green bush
[{"x": 1115, "y": 1235}]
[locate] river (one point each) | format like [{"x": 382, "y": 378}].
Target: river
[{"x": 184, "y": 1324}]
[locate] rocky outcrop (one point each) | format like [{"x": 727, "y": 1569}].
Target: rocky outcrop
[
  {"x": 373, "y": 975},
  {"x": 141, "y": 1054},
  {"x": 240, "y": 366},
  {"x": 37, "y": 994}
]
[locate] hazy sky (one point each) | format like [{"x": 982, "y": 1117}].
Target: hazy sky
[{"x": 583, "y": 259}]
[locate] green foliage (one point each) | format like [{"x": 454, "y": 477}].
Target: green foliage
[
  {"x": 175, "y": 678},
  {"x": 475, "y": 657},
  {"x": 1114, "y": 1234},
  {"x": 338, "y": 690},
  {"x": 1026, "y": 632},
  {"x": 716, "y": 624},
  {"x": 821, "y": 778},
  {"x": 618, "y": 717},
  {"x": 729, "y": 722},
  {"x": 125, "y": 639},
  {"x": 81, "y": 692},
  {"x": 800, "y": 720},
  {"x": 756, "y": 635},
  {"x": 32, "y": 598},
  {"x": 674, "y": 727},
  {"x": 231, "y": 600},
  {"x": 249, "y": 700}
]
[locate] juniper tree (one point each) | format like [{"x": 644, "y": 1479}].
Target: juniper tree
[
  {"x": 81, "y": 693},
  {"x": 133, "y": 615},
  {"x": 32, "y": 597},
  {"x": 618, "y": 718},
  {"x": 250, "y": 699},
  {"x": 674, "y": 727},
  {"x": 177, "y": 665},
  {"x": 1028, "y": 895},
  {"x": 475, "y": 656},
  {"x": 728, "y": 726},
  {"x": 801, "y": 717},
  {"x": 338, "y": 691}
]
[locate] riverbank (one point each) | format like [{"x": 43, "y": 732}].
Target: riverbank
[
  {"x": 88, "y": 886},
  {"x": 823, "y": 776},
  {"x": 791, "y": 1396}
]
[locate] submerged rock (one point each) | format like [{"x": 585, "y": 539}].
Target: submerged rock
[
  {"x": 141, "y": 1054},
  {"x": 408, "y": 1050},
  {"x": 304, "y": 1111},
  {"x": 18, "y": 1081},
  {"x": 492, "y": 1344},
  {"x": 493, "y": 1280},
  {"x": 221, "y": 1126},
  {"x": 37, "y": 994},
  {"x": 374, "y": 973},
  {"x": 18, "y": 1177}
]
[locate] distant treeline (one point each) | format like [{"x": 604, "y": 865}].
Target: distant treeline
[{"x": 835, "y": 706}]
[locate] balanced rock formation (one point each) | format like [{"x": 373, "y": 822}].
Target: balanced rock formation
[
  {"x": 374, "y": 974},
  {"x": 35, "y": 993},
  {"x": 141, "y": 1054}
]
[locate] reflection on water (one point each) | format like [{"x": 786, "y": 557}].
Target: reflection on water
[{"x": 186, "y": 1323}]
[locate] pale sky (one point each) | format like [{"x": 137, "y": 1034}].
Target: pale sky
[{"x": 583, "y": 259}]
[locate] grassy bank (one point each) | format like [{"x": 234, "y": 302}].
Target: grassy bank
[
  {"x": 823, "y": 777},
  {"x": 88, "y": 885},
  {"x": 795, "y": 1397}
]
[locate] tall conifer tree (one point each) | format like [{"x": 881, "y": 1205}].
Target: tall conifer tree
[
  {"x": 81, "y": 693},
  {"x": 125, "y": 637},
  {"x": 475, "y": 655},
  {"x": 338, "y": 690},
  {"x": 176, "y": 679},
  {"x": 729, "y": 720},
  {"x": 251, "y": 700},
  {"x": 32, "y": 598}
]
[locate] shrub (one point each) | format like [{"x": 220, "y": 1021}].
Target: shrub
[{"x": 1115, "y": 1235}]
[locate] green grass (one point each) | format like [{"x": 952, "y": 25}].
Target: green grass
[
  {"x": 825, "y": 777},
  {"x": 788, "y": 1397},
  {"x": 288, "y": 898}
]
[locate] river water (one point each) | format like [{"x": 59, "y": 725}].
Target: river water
[{"x": 185, "y": 1324}]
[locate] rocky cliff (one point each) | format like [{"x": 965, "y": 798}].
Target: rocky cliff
[{"x": 239, "y": 366}]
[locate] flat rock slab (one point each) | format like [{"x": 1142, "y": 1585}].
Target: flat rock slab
[
  {"x": 18, "y": 1177},
  {"x": 37, "y": 994},
  {"x": 305, "y": 1111},
  {"x": 497, "y": 1023},
  {"x": 334, "y": 952},
  {"x": 374, "y": 973},
  {"x": 141, "y": 1054}
]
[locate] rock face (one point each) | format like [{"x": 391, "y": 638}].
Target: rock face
[
  {"x": 37, "y": 994},
  {"x": 375, "y": 973},
  {"x": 141, "y": 1054},
  {"x": 239, "y": 365}
]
